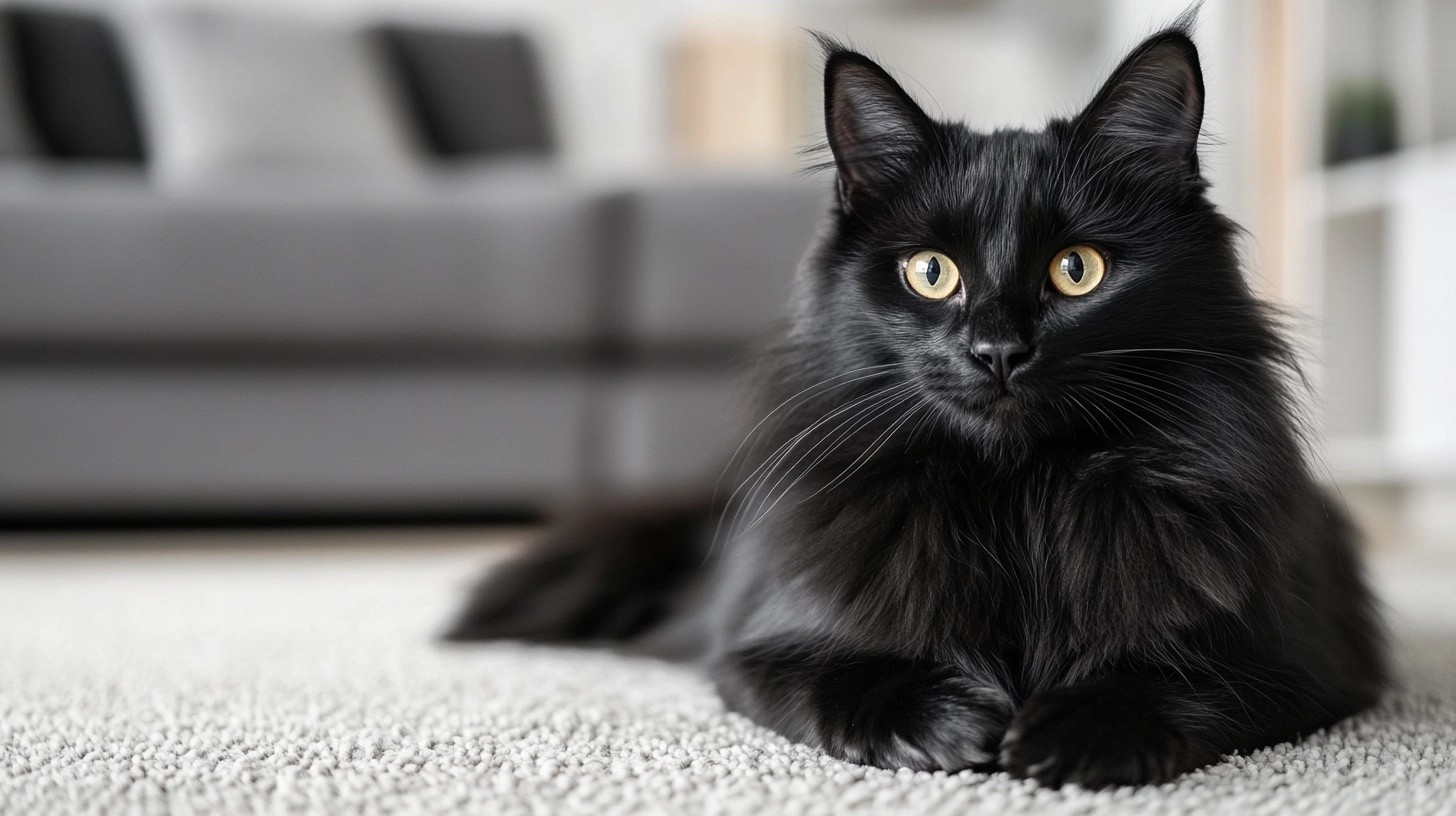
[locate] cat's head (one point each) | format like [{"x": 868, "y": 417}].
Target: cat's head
[{"x": 1031, "y": 282}]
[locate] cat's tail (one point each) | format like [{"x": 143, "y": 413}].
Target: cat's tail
[{"x": 624, "y": 573}]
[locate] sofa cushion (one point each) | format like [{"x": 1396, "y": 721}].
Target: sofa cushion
[
  {"x": 473, "y": 94},
  {"x": 75, "y": 85},
  {"x": 88, "y": 262},
  {"x": 371, "y": 439},
  {"x": 234, "y": 94}
]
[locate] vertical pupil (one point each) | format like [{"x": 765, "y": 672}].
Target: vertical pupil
[
  {"x": 1072, "y": 267},
  {"x": 932, "y": 270}
]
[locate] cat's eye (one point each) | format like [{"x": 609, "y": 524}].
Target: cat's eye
[
  {"x": 932, "y": 274},
  {"x": 1077, "y": 270}
]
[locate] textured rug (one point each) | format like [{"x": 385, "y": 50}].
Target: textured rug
[{"x": 286, "y": 680}]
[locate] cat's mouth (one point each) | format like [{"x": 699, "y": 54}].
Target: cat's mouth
[{"x": 996, "y": 405}]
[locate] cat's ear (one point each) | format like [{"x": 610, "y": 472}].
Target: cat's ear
[
  {"x": 872, "y": 124},
  {"x": 1153, "y": 102}
]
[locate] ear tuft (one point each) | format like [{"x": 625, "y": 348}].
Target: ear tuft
[
  {"x": 872, "y": 124},
  {"x": 1153, "y": 102}
]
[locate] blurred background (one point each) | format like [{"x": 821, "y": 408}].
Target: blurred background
[{"x": 424, "y": 260}]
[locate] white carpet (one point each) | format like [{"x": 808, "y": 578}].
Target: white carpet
[{"x": 283, "y": 681}]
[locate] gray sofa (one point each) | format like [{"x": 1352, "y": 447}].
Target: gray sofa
[
  {"x": 253, "y": 267},
  {"x": 455, "y": 350}
]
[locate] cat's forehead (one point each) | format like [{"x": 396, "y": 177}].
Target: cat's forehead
[
  {"x": 989, "y": 178},
  {"x": 1006, "y": 156}
]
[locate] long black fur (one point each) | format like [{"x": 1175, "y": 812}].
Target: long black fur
[{"x": 1111, "y": 569}]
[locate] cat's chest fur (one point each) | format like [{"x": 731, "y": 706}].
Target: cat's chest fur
[{"x": 935, "y": 556}]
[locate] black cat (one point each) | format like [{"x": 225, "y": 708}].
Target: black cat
[{"x": 1028, "y": 493}]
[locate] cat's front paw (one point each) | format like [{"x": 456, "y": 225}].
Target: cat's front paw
[
  {"x": 1097, "y": 737},
  {"x": 926, "y": 721}
]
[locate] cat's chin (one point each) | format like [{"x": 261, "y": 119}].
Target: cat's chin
[{"x": 989, "y": 418}]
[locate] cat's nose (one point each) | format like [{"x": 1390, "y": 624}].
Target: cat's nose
[{"x": 1001, "y": 356}]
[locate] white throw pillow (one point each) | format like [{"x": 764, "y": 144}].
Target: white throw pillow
[{"x": 235, "y": 96}]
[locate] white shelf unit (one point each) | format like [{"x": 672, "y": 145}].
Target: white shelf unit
[{"x": 1375, "y": 235}]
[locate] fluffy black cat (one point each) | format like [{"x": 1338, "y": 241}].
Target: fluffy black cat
[{"x": 1029, "y": 491}]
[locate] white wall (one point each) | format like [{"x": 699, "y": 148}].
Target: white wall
[{"x": 992, "y": 62}]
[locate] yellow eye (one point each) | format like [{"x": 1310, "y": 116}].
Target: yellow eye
[
  {"x": 932, "y": 275},
  {"x": 1077, "y": 270}
]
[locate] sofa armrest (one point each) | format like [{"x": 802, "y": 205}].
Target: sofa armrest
[{"x": 709, "y": 262}]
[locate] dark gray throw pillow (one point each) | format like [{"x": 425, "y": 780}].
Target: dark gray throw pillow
[
  {"x": 74, "y": 84},
  {"x": 472, "y": 94},
  {"x": 16, "y": 139}
]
